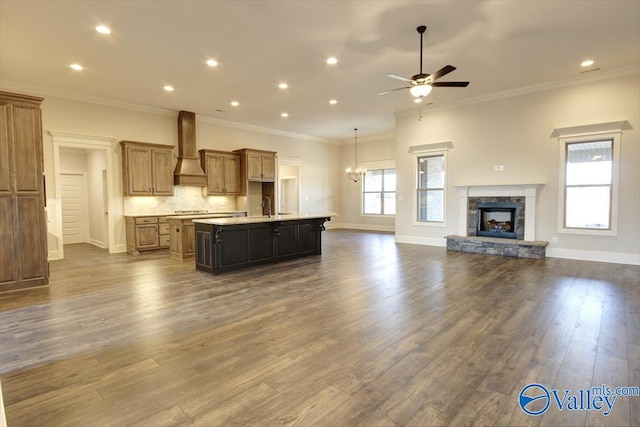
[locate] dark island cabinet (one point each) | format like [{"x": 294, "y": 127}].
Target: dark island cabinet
[
  {"x": 221, "y": 248},
  {"x": 298, "y": 238}
]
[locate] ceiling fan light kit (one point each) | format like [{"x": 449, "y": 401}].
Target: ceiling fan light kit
[
  {"x": 420, "y": 91},
  {"x": 421, "y": 83}
]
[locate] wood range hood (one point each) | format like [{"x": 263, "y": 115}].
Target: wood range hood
[{"x": 188, "y": 170}]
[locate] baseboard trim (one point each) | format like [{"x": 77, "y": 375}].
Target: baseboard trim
[
  {"x": 53, "y": 255},
  {"x": 426, "y": 241},
  {"x": 366, "y": 227},
  {"x": 97, "y": 243},
  {"x": 118, "y": 248},
  {"x": 597, "y": 256},
  {"x": 610, "y": 257}
]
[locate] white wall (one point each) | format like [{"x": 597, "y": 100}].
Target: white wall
[
  {"x": 90, "y": 163},
  {"x": 371, "y": 151},
  {"x": 319, "y": 172},
  {"x": 96, "y": 163},
  {"x": 515, "y": 132}
]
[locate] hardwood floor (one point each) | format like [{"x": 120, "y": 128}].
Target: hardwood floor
[{"x": 369, "y": 333}]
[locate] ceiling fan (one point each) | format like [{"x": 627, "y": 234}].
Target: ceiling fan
[{"x": 421, "y": 84}]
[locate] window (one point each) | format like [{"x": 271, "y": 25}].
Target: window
[
  {"x": 379, "y": 192},
  {"x": 588, "y": 184},
  {"x": 431, "y": 196},
  {"x": 589, "y": 165}
]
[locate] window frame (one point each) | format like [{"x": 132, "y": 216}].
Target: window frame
[
  {"x": 614, "y": 137},
  {"x": 381, "y": 192},
  {"x": 417, "y": 155}
]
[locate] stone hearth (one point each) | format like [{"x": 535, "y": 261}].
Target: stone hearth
[
  {"x": 524, "y": 196},
  {"x": 496, "y": 246}
]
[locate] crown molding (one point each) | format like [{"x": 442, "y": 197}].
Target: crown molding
[
  {"x": 369, "y": 138},
  {"x": 525, "y": 90},
  {"x": 44, "y": 92},
  {"x": 261, "y": 129}
]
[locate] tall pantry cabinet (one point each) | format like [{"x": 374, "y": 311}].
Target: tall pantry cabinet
[{"x": 23, "y": 233}]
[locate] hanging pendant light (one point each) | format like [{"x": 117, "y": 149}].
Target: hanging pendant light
[{"x": 356, "y": 173}]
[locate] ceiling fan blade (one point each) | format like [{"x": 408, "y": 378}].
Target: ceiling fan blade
[
  {"x": 441, "y": 72},
  {"x": 393, "y": 90},
  {"x": 397, "y": 77},
  {"x": 450, "y": 84}
]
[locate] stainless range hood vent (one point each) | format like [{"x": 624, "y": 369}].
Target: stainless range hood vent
[{"x": 188, "y": 170}]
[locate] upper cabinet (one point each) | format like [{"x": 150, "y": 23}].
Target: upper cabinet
[
  {"x": 257, "y": 165},
  {"x": 23, "y": 229},
  {"x": 147, "y": 169},
  {"x": 223, "y": 172}
]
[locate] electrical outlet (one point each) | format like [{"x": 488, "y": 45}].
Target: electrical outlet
[
  {"x": 495, "y": 168},
  {"x": 554, "y": 240},
  {"x": 501, "y": 168}
]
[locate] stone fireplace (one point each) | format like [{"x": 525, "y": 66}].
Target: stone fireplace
[
  {"x": 524, "y": 197},
  {"x": 498, "y": 219}
]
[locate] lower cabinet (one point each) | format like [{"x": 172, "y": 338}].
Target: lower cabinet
[
  {"x": 146, "y": 233},
  {"x": 297, "y": 239},
  {"x": 241, "y": 246},
  {"x": 221, "y": 248}
]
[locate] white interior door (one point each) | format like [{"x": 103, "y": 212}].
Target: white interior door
[{"x": 74, "y": 212}]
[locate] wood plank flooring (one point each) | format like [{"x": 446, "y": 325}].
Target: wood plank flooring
[{"x": 369, "y": 333}]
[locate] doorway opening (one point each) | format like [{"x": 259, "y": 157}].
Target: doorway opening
[
  {"x": 288, "y": 185},
  {"x": 82, "y": 209}
]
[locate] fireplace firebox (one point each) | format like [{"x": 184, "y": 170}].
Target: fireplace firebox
[{"x": 497, "y": 220}]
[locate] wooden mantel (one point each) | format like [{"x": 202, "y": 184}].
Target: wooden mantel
[{"x": 529, "y": 191}]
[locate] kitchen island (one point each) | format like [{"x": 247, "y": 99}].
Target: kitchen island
[
  {"x": 227, "y": 244},
  {"x": 182, "y": 232}
]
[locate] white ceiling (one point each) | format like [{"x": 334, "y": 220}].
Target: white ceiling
[{"x": 496, "y": 45}]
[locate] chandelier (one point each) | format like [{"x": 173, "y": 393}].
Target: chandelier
[{"x": 355, "y": 174}]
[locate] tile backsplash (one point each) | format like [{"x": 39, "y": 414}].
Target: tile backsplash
[{"x": 184, "y": 198}]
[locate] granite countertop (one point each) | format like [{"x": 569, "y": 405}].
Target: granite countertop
[
  {"x": 262, "y": 219},
  {"x": 175, "y": 215},
  {"x": 202, "y": 215}
]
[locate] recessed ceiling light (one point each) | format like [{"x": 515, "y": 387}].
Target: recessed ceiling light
[
  {"x": 587, "y": 63},
  {"x": 417, "y": 100},
  {"x": 285, "y": 115},
  {"x": 235, "y": 103},
  {"x": 212, "y": 63},
  {"x": 168, "y": 88},
  {"x": 283, "y": 85},
  {"x": 103, "y": 29},
  {"x": 333, "y": 101},
  {"x": 332, "y": 61},
  {"x": 76, "y": 67}
]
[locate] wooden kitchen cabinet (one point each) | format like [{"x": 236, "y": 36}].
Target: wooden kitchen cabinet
[
  {"x": 223, "y": 172},
  {"x": 256, "y": 166},
  {"x": 261, "y": 167},
  {"x": 146, "y": 233},
  {"x": 182, "y": 239},
  {"x": 23, "y": 232},
  {"x": 147, "y": 169}
]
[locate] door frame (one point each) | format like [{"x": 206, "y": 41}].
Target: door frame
[
  {"x": 87, "y": 142},
  {"x": 289, "y": 161}
]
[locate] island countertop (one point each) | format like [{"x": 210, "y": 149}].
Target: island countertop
[
  {"x": 263, "y": 219},
  {"x": 203, "y": 215}
]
